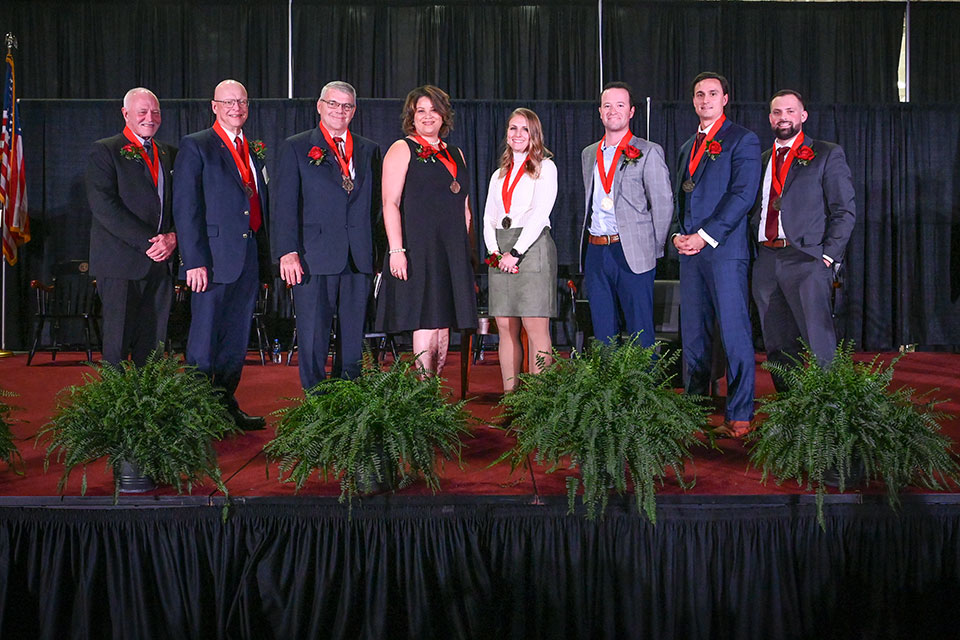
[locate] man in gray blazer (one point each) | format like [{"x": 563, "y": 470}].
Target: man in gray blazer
[
  {"x": 628, "y": 207},
  {"x": 803, "y": 218}
]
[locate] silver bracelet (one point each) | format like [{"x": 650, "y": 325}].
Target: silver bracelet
[{"x": 400, "y": 250}]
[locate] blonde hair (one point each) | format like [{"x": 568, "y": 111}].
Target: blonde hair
[{"x": 536, "y": 152}]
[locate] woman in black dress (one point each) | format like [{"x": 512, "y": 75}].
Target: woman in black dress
[{"x": 428, "y": 281}]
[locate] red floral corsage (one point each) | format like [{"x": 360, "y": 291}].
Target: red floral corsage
[
  {"x": 805, "y": 154},
  {"x": 259, "y": 149},
  {"x": 316, "y": 155},
  {"x": 426, "y": 154},
  {"x": 630, "y": 155},
  {"x": 130, "y": 151},
  {"x": 714, "y": 148}
]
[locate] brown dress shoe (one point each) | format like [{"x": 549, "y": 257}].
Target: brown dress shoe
[{"x": 734, "y": 429}]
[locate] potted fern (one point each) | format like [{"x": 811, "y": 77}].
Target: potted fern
[
  {"x": 834, "y": 420},
  {"x": 162, "y": 418},
  {"x": 609, "y": 412},
  {"x": 384, "y": 427},
  {"x": 8, "y": 449}
]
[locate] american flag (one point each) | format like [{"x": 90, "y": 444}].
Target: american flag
[{"x": 13, "y": 185}]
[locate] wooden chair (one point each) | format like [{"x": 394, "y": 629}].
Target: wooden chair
[{"x": 69, "y": 299}]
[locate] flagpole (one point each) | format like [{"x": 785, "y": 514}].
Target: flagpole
[{"x": 11, "y": 43}]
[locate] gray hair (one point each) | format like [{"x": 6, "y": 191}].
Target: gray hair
[{"x": 339, "y": 85}]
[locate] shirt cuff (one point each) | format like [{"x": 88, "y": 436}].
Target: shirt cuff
[
  {"x": 827, "y": 258},
  {"x": 706, "y": 238}
]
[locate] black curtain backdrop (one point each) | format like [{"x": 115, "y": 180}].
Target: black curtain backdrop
[
  {"x": 902, "y": 265},
  {"x": 474, "y": 50},
  {"x": 934, "y": 52},
  {"x": 830, "y": 52},
  {"x": 407, "y": 569},
  {"x": 492, "y": 49}
]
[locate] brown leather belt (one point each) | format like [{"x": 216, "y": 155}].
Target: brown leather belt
[
  {"x": 592, "y": 239},
  {"x": 779, "y": 243}
]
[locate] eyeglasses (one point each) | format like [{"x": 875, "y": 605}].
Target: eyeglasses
[
  {"x": 234, "y": 103},
  {"x": 334, "y": 105}
]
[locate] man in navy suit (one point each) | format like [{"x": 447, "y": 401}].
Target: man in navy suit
[
  {"x": 716, "y": 186},
  {"x": 220, "y": 209},
  {"x": 804, "y": 215},
  {"x": 132, "y": 241},
  {"x": 326, "y": 204}
]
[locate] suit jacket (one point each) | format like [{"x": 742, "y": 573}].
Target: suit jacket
[
  {"x": 312, "y": 215},
  {"x": 126, "y": 208},
  {"x": 724, "y": 194},
  {"x": 643, "y": 203},
  {"x": 818, "y": 210},
  {"x": 211, "y": 209}
]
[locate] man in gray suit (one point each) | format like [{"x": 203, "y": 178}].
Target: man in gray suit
[
  {"x": 802, "y": 221},
  {"x": 628, "y": 208}
]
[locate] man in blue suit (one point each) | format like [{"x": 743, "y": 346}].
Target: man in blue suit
[
  {"x": 717, "y": 178},
  {"x": 326, "y": 204},
  {"x": 220, "y": 211}
]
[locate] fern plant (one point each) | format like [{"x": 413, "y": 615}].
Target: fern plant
[
  {"x": 837, "y": 417},
  {"x": 164, "y": 417},
  {"x": 609, "y": 412},
  {"x": 384, "y": 424},
  {"x": 8, "y": 449}
]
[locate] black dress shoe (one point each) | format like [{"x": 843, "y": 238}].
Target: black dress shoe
[{"x": 247, "y": 422}]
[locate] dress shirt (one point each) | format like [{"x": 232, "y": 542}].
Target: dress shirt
[
  {"x": 530, "y": 208},
  {"x": 604, "y": 223}
]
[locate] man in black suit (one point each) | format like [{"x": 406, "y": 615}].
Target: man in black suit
[
  {"x": 326, "y": 204},
  {"x": 803, "y": 218},
  {"x": 220, "y": 209},
  {"x": 132, "y": 241}
]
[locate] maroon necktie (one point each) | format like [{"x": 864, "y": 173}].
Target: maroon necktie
[
  {"x": 772, "y": 228},
  {"x": 255, "y": 214},
  {"x": 701, "y": 136}
]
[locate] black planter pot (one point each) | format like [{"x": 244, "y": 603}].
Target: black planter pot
[
  {"x": 131, "y": 480},
  {"x": 856, "y": 478},
  {"x": 369, "y": 483}
]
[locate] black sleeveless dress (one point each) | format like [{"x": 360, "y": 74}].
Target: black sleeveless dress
[{"x": 439, "y": 290}]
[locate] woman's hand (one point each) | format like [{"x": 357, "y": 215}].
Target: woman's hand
[
  {"x": 398, "y": 265},
  {"x": 508, "y": 264}
]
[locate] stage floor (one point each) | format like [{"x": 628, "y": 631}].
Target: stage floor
[{"x": 723, "y": 471}]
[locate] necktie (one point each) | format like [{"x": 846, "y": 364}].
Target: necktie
[
  {"x": 701, "y": 136},
  {"x": 340, "y": 150},
  {"x": 772, "y": 228},
  {"x": 148, "y": 147},
  {"x": 255, "y": 214}
]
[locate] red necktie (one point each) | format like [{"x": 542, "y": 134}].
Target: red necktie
[
  {"x": 772, "y": 228},
  {"x": 255, "y": 214}
]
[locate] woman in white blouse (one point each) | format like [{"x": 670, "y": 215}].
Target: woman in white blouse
[{"x": 516, "y": 231}]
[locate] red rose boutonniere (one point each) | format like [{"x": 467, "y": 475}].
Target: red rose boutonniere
[
  {"x": 259, "y": 149},
  {"x": 426, "y": 155},
  {"x": 130, "y": 151},
  {"x": 804, "y": 155},
  {"x": 493, "y": 260},
  {"x": 316, "y": 155},
  {"x": 714, "y": 148},
  {"x": 630, "y": 155}
]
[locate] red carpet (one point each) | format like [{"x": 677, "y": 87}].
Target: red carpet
[{"x": 265, "y": 389}]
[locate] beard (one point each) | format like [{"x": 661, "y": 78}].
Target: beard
[{"x": 787, "y": 131}]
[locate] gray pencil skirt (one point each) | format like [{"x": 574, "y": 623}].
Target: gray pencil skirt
[{"x": 531, "y": 293}]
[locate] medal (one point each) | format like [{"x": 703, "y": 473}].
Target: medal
[
  {"x": 775, "y": 203},
  {"x": 505, "y": 223},
  {"x": 347, "y": 184},
  {"x": 247, "y": 189},
  {"x": 688, "y": 186},
  {"x": 607, "y": 203},
  {"x": 455, "y": 186}
]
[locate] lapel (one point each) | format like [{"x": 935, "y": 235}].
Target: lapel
[
  {"x": 359, "y": 163},
  {"x": 796, "y": 167},
  {"x": 705, "y": 160},
  {"x": 684, "y": 161},
  {"x": 227, "y": 158},
  {"x": 329, "y": 166},
  {"x": 618, "y": 175}
]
